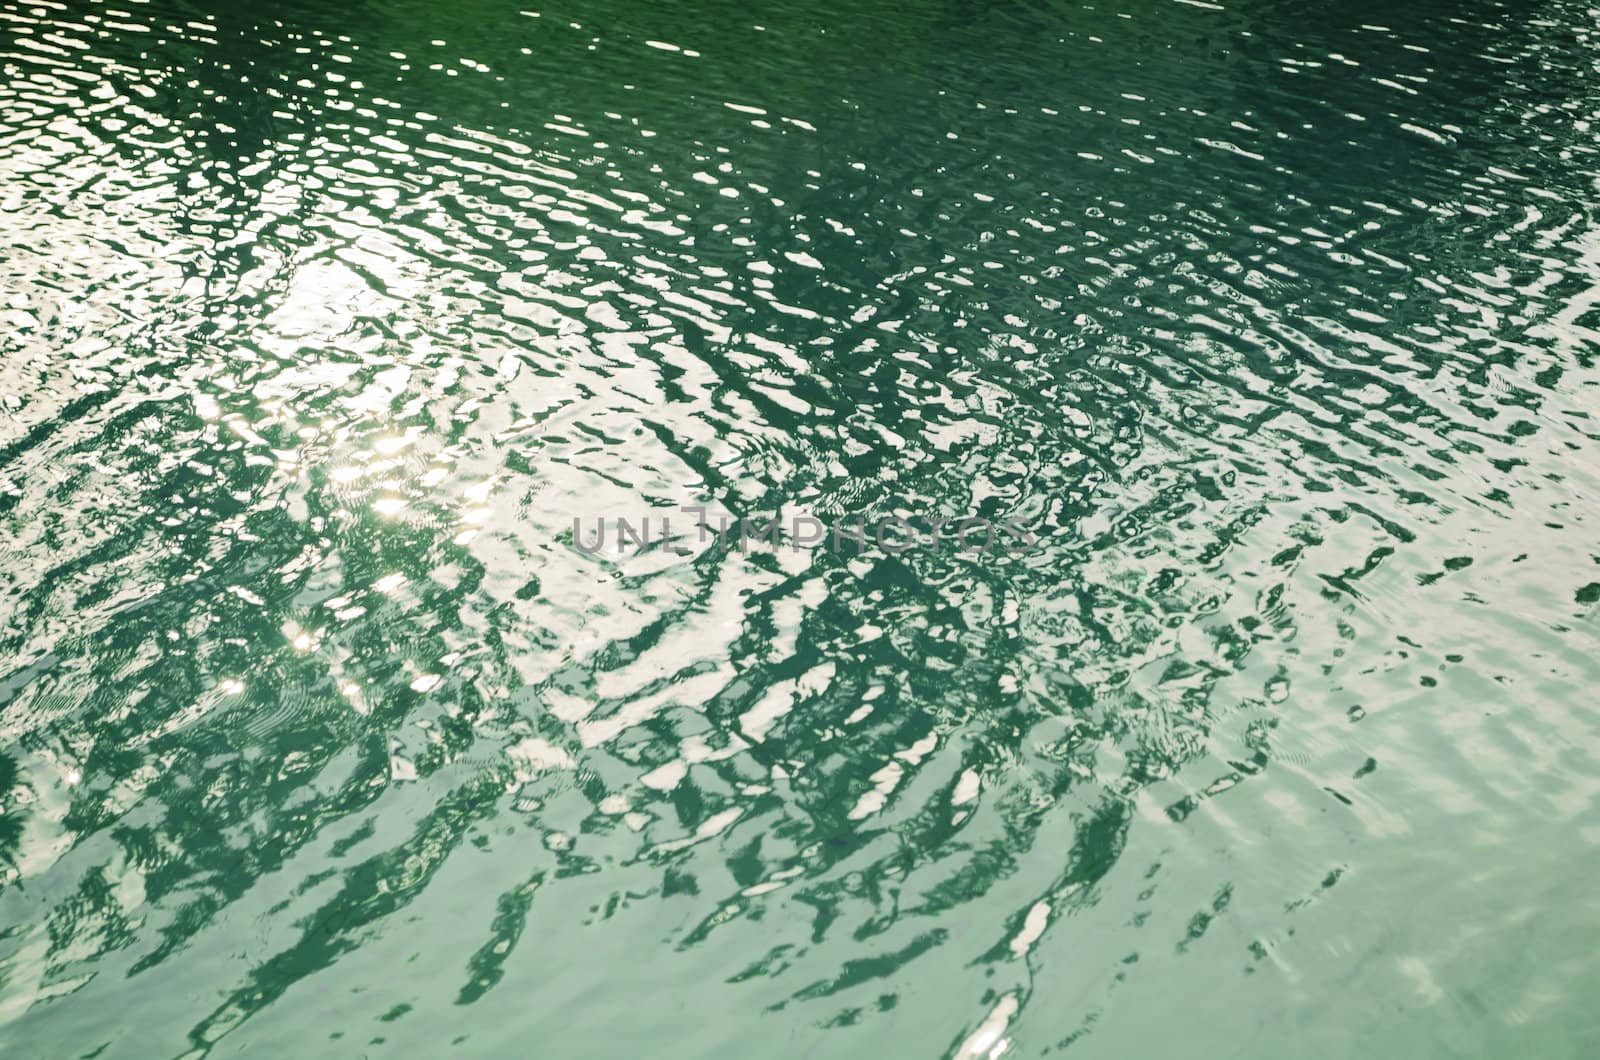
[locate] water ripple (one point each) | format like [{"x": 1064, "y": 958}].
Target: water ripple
[{"x": 1277, "y": 323}]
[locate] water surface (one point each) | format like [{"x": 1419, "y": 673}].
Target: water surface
[{"x": 322, "y": 322}]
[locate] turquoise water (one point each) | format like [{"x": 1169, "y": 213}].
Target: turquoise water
[{"x": 321, "y": 735}]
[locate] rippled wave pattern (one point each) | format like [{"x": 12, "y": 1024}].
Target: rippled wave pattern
[{"x": 319, "y": 735}]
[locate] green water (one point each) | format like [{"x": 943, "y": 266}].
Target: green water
[{"x": 321, "y": 322}]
